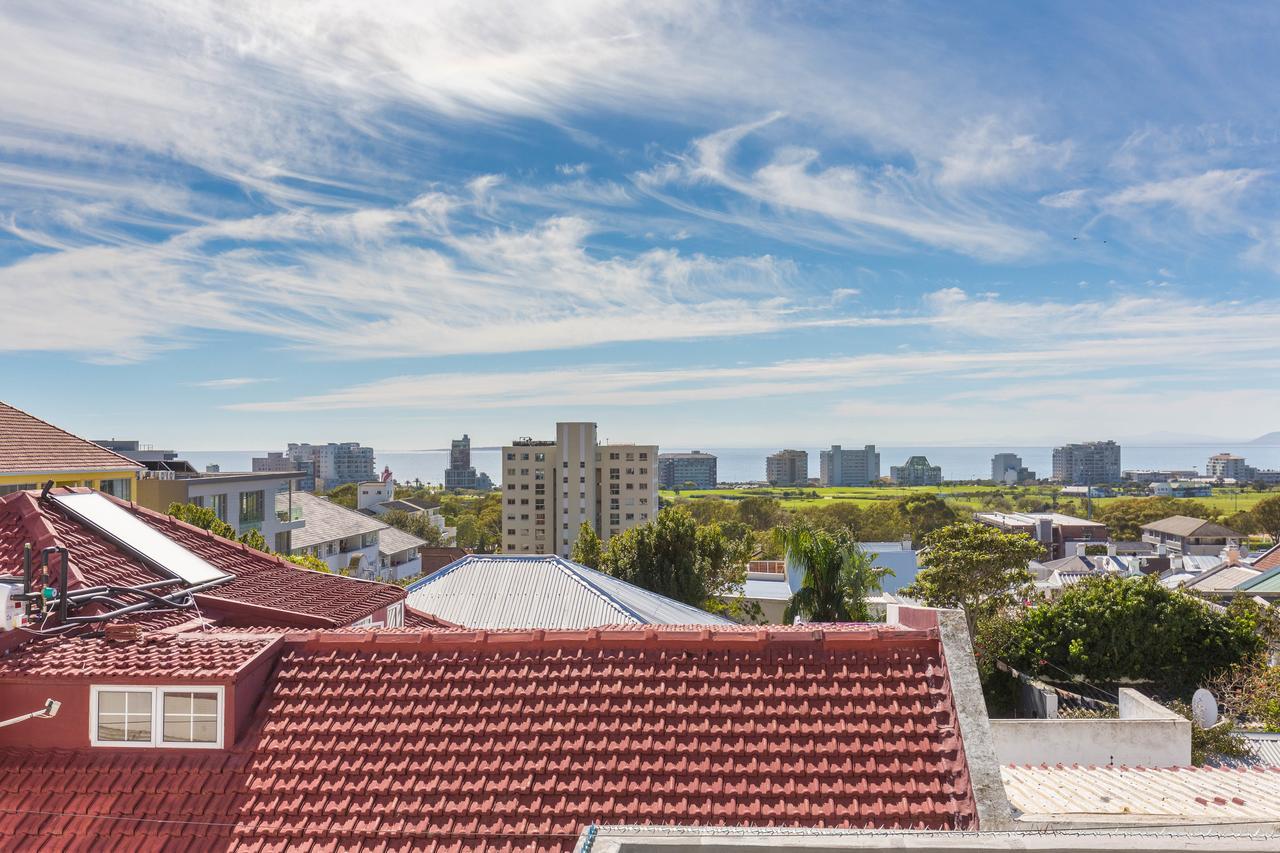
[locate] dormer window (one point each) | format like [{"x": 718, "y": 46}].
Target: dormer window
[{"x": 181, "y": 717}]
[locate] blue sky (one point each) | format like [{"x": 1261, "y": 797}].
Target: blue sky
[{"x": 235, "y": 224}]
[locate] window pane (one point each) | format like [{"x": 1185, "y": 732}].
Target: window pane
[
  {"x": 139, "y": 730},
  {"x": 139, "y": 703},
  {"x": 111, "y": 703},
  {"x": 177, "y": 729},
  {"x": 204, "y": 703},
  {"x": 177, "y": 703},
  {"x": 110, "y": 727},
  {"x": 204, "y": 731}
]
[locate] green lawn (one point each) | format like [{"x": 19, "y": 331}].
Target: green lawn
[{"x": 1225, "y": 499}]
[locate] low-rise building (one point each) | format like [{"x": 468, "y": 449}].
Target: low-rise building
[
  {"x": 264, "y": 502},
  {"x": 1086, "y": 492},
  {"x": 34, "y": 452},
  {"x": 676, "y": 469},
  {"x": 1181, "y": 489},
  {"x": 852, "y": 467},
  {"x": 916, "y": 471},
  {"x": 355, "y": 543},
  {"x": 160, "y": 464},
  {"x": 1147, "y": 475},
  {"x": 377, "y": 499},
  {"x": 1183, "y": 535},
  {"x": 787, "y": 468},
  {"x": 1058, "y": 533}
]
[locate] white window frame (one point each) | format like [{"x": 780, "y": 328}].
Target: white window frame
[
  {"x": 157, "y": 692},
  {"x": 395, "y": 615}
]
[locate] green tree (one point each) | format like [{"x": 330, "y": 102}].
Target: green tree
[
  {"x": 307, "y": 561},
  {"x": 588, "y": 550},
  {"x": 415, "y": 524},
  {"x": 923, "y": 513},
  {"x": 254, "y": 539},
  {"x": 661, "y": 556},
  {"x": 344, "y": 495},
  {"x": 974, "y": 567},
  {"x": 838, "y": 575},
  {"x": 1126, "y": 516},
  {"x": 1110, "y": 628},
  {"x": 202, "y": 517},
  {"x": 1266, "y": 515},
  {"x": 760, "y": 512}
]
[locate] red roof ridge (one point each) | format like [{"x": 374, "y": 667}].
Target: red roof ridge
[
  {"x": 689, "y": 638},
  {"x": 130, "y": 463}
]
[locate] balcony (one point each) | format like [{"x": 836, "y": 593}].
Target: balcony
[{"x": 246, "y": 526}]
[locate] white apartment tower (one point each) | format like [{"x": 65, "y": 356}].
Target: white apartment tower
[{"x": 551, "y": 487}]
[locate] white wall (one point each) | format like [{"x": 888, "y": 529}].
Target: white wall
[{"x": 1147, "y": 734}]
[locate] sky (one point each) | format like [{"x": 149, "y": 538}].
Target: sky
[{"x": 234, "y": 224}]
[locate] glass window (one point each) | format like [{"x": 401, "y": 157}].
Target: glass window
[
  {"x": 124, "y": 716},
  {"x": 218, "y": 503},
  {"x": 122, "y": 488},
  {"x": 252, "y": 506},
  {"x": 190, "y": 717}
]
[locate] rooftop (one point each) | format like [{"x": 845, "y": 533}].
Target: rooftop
[
  {"x": 1029, "y": 519},
  {"x": 30, "y": 445},
  {"x": 499, "y": 591},
  {"x": 1269, "y": 559},
  {"x": 393, "y": 540},
  {"x": 326, "y": 521},
  {"x": 154, "y": 656},
  {"x": 454, "y": 740},
  {"x": 1184, "y": 525}
]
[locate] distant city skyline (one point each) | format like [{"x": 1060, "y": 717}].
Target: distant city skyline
[{"x": 743, "y": 222}]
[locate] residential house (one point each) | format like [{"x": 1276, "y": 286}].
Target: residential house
[
  {"x": 1086, "y": 492},
  {"x": 546, "y": 591},
  {"x": 354, "y": 542},
  {"x": 1181, "y": 489},
  {"x": 377, "y": 499},
  {"x": 264, "y": 502},
  {"x": 1058, "y": 533},
  {"x": 34, "y": 452},
  {"x": 916, "y": 471},
  {"x": 1183, "y": 535}
]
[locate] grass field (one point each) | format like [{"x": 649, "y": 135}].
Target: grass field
[{"x": 1225, "y": 499}]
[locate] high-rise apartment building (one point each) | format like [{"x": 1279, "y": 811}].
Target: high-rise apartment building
[
  {"x": 1087, "y": 464},
  {"x": 676, "y": 469},
  {"x": 325, "y": 465},
  {"x": 460, "y": 474},
  {"x": 1224, "y": 466},
  {"x": 840, "y": 467},
  {"x": 550, "y": 488},
  {"x": 916, "y": 471},
  {"x": 787, "y": 468},
  {"x": 1007, "y": 468}
]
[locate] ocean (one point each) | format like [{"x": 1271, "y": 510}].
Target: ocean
[{"x": 746, "y": 464}]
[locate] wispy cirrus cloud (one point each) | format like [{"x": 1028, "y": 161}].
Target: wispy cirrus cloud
[{"x": 230, "y": 382}]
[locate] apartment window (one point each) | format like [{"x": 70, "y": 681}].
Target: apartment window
[
  {"x": 539, "y": 474},
  {"x": 565, "y": 463},
  {"x": 524, "y": 487},
  {"x": 539, "y": 457},
  {"x": 582, "y": 465},
  {"x": 565, "y": 479},
  {"x": 539, "y": 503},
  {"x": 582, "y": 479},
  {"x": 644, "y": 487},
  {"x": 613, "y": 456},
  {"x": 511, "y": 486},
  {"x": 511, "y": 457},
  {"x": 511, "y": 531},
  {"x": 643, "y": 516},
  {"x": 631, "y": 457},
  {"x": 614, "y": 489},
  {"x": 122, "y": 488},
  {"x": 524, "y": 472},
  {"x": 511, "y": 472},
  {"x": 182, "y": 717},
  {"x": 582, "y": 495},
  {"x": 631, "y": 516},
  {"x": 566, "y": 525},
  {"x": 631, "y": 487},
  {"x": 511, "y": 501},
  {"x": 511, "y": 547},
  {"x": 524, "y": 516},
  {"x": 613, "y": 504},
  {"x": 613, "y": 518},
  {"x": 252, "y": 507},
  {"x": 644, "y": 501},
  {"x": 644, "y": 471},
  {"x": 524, "y": 457},
  {"x": 218, "y": 503},
  {"x": 524, "y": 502},
  {"x": 644, "y": 456}
]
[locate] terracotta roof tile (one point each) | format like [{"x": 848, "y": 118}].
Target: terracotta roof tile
[
  {"x": 1269, "y": 559},
  {"x": 30, "y": 444},
  {"x": 516, "y": 740},
  {"x": 261, "y": 580},
  {"x": 152, "y": 656}
]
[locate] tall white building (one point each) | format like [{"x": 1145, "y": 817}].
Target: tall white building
[
  {"x": 840, "y": 467},
  {"x": 550, "y": 488},
  {"x": 1228, "y": 466},
  {"x": 1087, "y": 464},
  {"x": 327, "y": 465},
  {"x": 1007, "y": 468}
]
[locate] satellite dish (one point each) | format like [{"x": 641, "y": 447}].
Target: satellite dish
[{"x": 1204, "y": 708}]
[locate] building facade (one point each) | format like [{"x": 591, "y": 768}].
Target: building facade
[
  {"x": 787, "y": 468},
  {"x": 551, "y": 488},
  {"x": 840, "y": 467},
  {"x": 1227, "y": 466},
  {"x": 460, "y": 474},
  {"x": 1147, "y": 475},
  {"x": 1058, "y": 533},
  {"x": 916, "y": 471},
  {"x": 1007, "y": 469},
  {"x": 1087, "y": 463},
  {"x": 261, "y": 501},
  {"x": 326, "y": 465},
  {"x": 676, "y": 469}
]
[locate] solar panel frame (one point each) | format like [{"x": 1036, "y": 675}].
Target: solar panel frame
[{"x": 135, "y": 535}]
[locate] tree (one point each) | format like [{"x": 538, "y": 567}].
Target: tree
[
  {"x": 838, "y": 575},
  {"x": 587, "y": 549},
  {"x": 417, "y": 524},
  {"x": 1110, "y": 628},
  {"x": 308, "y": 561},
  {"x": 974, "y": 567},
  {"x": 923, "y": 513},
  {"x": 1125, "y": 517},
  {"x": 344, "y": 495},
  {"x": 202, "y": 517},
  {"x": 661, "y": 556},
  {"x": 1266, "y": 515},
  {"x": 254, "y": 539},
  {"x": 760, "y": 512}
]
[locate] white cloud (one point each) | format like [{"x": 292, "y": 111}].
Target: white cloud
[
  {"x": 1208, "y": 196},
  {"x": 1066, "y": 199},
  {"x": 230, "y": 382}
]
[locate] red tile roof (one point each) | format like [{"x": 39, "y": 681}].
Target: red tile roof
[
  {"x": 1269, "y": 559},
  {"x": 28, "y": 444},
  {"x": 265, "y": 589},
  {"x": 150, "y": 657},
  {"x": 516, "y": 740},
  {"x": 414, "y": 618}
]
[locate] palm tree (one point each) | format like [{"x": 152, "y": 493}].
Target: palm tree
[{"x": 838, "y": 575}]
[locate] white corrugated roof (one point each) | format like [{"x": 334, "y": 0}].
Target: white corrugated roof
[
  {"x": 1143, "y": 795},
  {"x": 325, "y": 521},
  {"x": 393, "y": 540},
  {"x": 543, "y": 591}
]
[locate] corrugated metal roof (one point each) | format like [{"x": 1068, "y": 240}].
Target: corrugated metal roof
[
  {"x": 1143, "y": 795},
  {"x": 1222, "y": 578},
  {"x": 326, "y": 521},
  {"x": 1265, "y": 747},
  {"x": 1268, "y": 581},
  {"x": 543, "y": 591},
  {"x": 1185, "y": 525}
]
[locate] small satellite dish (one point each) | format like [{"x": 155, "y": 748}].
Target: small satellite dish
[{"x": 1204, "y": 708}]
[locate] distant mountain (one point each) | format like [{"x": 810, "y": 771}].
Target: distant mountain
[{"x": 1269, "y": 438}]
